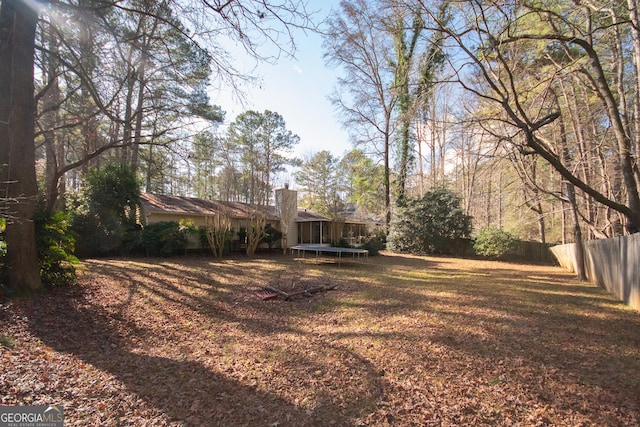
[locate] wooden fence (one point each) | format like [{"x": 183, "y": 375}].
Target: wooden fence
[
  {"x": 611, "y": 263},
  {"x": 531, "y": 251}
]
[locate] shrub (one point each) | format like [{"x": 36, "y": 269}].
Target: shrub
[
  {"x": 56, "y": 245},
  {"x": 242, "y": 235},
  {"x": 105, "y": 224},
  {"x": 94, "y": 238},
  {"x": 204, "y": 241},
  {"x": 376, "y": 243},
  {"x": 166, "y": 238},
  {"x": 493, "y": 242},
  {"x": 431, "y": 224},
  {"x": 271, "y": 236},
  {"x": 131, "y": 240},
  {"x": 113, "y": 193},
  {"x": 342, "y": 243}
]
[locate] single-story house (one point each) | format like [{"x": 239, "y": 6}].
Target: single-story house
[{"x": 303, "y": 227}]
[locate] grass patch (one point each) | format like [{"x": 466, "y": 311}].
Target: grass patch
[{"x": 7, "y": 341}]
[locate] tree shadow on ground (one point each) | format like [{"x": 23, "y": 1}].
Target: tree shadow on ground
[
  {"x": 571, "y": 335},
  {"x": 532, "y": 334},
  {"x": 182, "y": 387}
]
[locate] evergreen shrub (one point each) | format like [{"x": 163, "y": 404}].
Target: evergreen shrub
[
  {"x": 56, "y": 245},
  {"x": 165, "y": 238},
  {"x": 494, "y": 242},
  {"x": 431, "y": 224}
]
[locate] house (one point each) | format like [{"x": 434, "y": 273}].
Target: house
[{"x": 302, "y": 227}]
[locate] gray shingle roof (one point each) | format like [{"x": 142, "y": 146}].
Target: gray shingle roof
[{"x": 308, "y": 216}]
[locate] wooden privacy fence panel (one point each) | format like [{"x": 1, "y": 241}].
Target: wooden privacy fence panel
[
  {"x": 566, "y": 255},
  {"x": 532, "y": 251},
  {"x": 611, "y": 263}
]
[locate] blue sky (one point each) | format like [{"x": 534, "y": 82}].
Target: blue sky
[{"x": 298, "y": 90}]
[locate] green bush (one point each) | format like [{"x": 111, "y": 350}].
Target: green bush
[
  {"x": 56, "y": 245},
  {"x": 493, "y": 242},
  {"x": 342, "y": 243},
  {"x": 432, "y": 224},
  {"x": 95, "y": 238},
  {"x": 113, "y": 193},
  {"x": 376, "y": 243},
  {"x": 271, "y": 236},
  {"x": 105, "y": 222},
  {"x": 204, "y": 240},
  {"x": 131, "y": 241},
  {"x": 166, "y": 238},
  {"x": 242, "y": 235}
]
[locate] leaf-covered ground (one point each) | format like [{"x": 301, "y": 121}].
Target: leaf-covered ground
[{"x": 403, "y": 341}]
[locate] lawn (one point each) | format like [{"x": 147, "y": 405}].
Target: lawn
[{"x": 401, "y": 340}]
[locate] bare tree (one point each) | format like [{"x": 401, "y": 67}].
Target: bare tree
[
  {"x": 217, "y": 230},
  {"x": 255, "y": 230},
  {"x": 358, "y": 43},
  {"x": 491, "y": 37}
]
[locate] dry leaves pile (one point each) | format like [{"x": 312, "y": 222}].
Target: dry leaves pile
[{"x": 401, "y": 341}]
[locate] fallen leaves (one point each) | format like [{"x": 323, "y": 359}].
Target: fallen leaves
[{"x": 400, "y": 341}]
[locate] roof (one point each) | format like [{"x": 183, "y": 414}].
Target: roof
[
  {"x": 181, "y": 205},
  {"x": 308, "y": 216},
  {"x": 165, "y": 204}
]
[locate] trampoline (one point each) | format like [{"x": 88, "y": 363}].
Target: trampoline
[{"x": 338, "y": 252}]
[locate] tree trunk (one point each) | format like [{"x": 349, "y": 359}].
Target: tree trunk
[
  {"x": 54, "y": 186},
  {"x": 420, "y": 138},
  {"x": 89, "y": 61},
  {"x": 623, "y": 140},
  {"x": 142, "y": 82},
  {"x": 541, "y": 226},
  {"x": 137, "y": 139},
  {"x": 17, "y": 149},
  {"x": 634, "y": 15},
  {"x": 148, "y": 172},
  {"x": 499, "y": 195},
  {"x": 404, "y": 58},
  {"x": 387, "y": 178},
  {"x": 488, "y": 199},
  {"x": 127, "y": 131},
  {"x": 570, "y": 197},
  {"x": 570, "y": 194}
]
